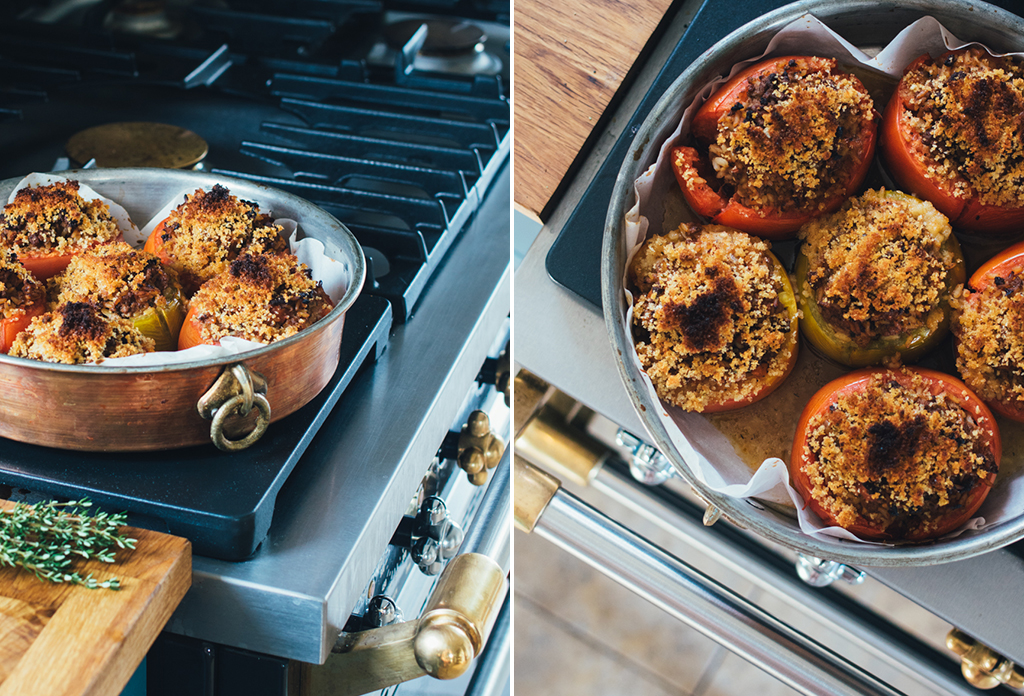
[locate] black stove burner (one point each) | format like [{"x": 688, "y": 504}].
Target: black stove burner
[{"x": 222, "y": 502}]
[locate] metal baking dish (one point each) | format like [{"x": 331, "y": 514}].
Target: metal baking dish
[
  {"x": 96, "y": 408},
  {"x": 864, "y": 23}
]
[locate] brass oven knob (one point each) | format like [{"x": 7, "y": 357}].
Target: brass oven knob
[
  {"x": 982, "y": 667},
  {"x": 479, "y": 450}
]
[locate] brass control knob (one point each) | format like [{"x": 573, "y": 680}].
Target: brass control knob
[
  {"x": 982, "y": 667},
  {"x": 479, "y": 450}
]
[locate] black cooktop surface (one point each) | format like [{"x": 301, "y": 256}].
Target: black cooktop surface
[{"x": 222, "y": 502}]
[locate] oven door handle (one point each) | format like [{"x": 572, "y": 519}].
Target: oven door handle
[
  {"x": 543, "y": 507},
  {"x": 457, "y": 619}
]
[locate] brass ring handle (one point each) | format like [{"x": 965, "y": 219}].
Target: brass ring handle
[
  {"x": 235, "y": 392},
  {"x": 236, "y": 405}
]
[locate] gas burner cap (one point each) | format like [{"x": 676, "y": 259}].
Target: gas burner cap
[
  {"x": 143, "y": 18},
  {"x": 137, "y": 144},
  {"x": 444, "y": 37}
]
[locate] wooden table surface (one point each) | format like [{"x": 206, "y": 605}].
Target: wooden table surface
[
  {"x": 569, "y": 61},
  {"x": 66, "y": 640}
]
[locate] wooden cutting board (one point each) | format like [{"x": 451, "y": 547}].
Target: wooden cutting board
[
  {"x": 570, "y": 58},
  {"x": 65, "y": 640}
]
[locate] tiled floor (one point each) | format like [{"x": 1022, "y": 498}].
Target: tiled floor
[{"x": 577, "y": 632}]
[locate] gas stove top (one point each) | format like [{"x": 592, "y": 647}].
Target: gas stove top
[{"x": 400, "y": 143}]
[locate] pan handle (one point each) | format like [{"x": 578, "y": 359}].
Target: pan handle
[{"x": 236, "y": 391}]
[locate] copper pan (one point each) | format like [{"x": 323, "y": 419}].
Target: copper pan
[{"x": 97, "y": 408}]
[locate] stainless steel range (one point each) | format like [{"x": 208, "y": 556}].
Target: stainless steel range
[
  {"x": 562, "y": 344},
  {"x": 393, "y": 119}
]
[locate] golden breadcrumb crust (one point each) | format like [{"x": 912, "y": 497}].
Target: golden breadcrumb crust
[
  {"x": 990, "y": 342},
  {"x": 789, "y": 143},
  {"x": 707, "y": 321},
  {"x": 55, "y": 218},
  {"x": 79, "y": 332},
  {"x": 261, "y": 297},
  {"x": 119, "y": 279},
  {"x": 969, "y": 113},
  {"x": 210, "y": 229},
  {"x": 19, "y": 289},
  {"x": 879, "y": 266},
  {"x": 896, "y": 456}
]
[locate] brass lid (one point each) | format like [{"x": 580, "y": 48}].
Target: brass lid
[{"x": 137, "y": 144}]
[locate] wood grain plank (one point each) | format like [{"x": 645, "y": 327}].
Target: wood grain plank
[
  {"x": 69, "y": 640},
  {"x": 569, "y": 60}
]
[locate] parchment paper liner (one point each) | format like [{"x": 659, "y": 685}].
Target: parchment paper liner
[
  {"x": 335, "y": 274},
  {"x": 696, "y": 439}
]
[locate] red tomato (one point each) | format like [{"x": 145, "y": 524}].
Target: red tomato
[
  {"x": 45, "y": 265},
  {"x": 940, "y": 383},
  {"x": 155, "y": 244},
  {"x": 1000, "y": 265},
  {"x": 191, "y": 332},
  {"x": 699, "y": 182},
  {"x": 908, "y": 163},
  {"x": 12, "y": 326}
]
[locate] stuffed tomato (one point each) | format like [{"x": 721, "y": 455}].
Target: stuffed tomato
[
  {"x": 782, "y": 142},
  {"x": 953, "y": 133},
  {"x": 989, "y": 342},
  {"x": 895, "y": 455}
]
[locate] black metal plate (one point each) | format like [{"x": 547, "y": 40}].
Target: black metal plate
[{"x": 223, "y": 503}]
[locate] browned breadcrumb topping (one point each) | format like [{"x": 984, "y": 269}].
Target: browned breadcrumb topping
[
  {"x": 707, "y": 320},
  {"x": 789, "y": 144},
  {"x": 55, "y": 218},
  {"x": 879, "y": 266},
  {"x": 121, "y": 279},
  {"x": 210, "y": 229},
  {"x": 895, "y": 455},
  {"x": 262, "y": 297},
  {"x": 969, "y": 112},
  {"x": 79, "y": 332},
  {"x": 990, "y": 343},
  {"x": 19, "y": 289}
]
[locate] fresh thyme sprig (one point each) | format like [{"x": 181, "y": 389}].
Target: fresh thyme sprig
[{"x": 45, "y": 538}]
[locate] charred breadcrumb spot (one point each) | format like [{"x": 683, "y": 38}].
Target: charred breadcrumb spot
[
  {"x": 80, "y": 319},
  {"x": 77, "y": 333},
  {"x": 790, "y": 143},
  {"x": 55, "y": 218},
  {"x": 880, "y": 266},
  {"x": 969, "y": 113},
  {"x": 896, "y": 455},
  {"x": 211, "y": 229},
  {"x": 19, "y": 289},
  {"x": 707, "y": 322},
  {"x": 253, "y": 269},
  {"x": 118, "y": 279},
  {"x": 990, "y": 345},
  {"x": 262, "y": 298}
]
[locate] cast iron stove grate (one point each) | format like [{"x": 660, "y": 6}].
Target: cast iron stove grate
[{"x": 401, "y": 155}]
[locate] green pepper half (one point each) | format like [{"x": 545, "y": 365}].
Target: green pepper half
[
  {"x": 910, "y": 345},
  {"x": 163, "y": 322}
]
